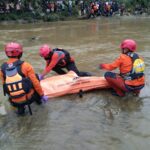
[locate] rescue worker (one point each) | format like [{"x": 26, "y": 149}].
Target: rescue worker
[
  {"x": 131, "y": 65},
  {"x": 57, "y": 59},
  {"x": 19, "y": 80}
]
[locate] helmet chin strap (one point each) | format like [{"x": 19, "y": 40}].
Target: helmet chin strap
[
  {"x": 18, "y": 57},
  {"x": 49, "y": 56},
  {"x": 125, "y": 51},
  {"x": 46, "y": 58}
]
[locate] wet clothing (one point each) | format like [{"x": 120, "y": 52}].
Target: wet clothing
[
  {"x": 26, "y": 71},
  {"x": 117, "y": 81},
  {"x": 59, "y": 59}
]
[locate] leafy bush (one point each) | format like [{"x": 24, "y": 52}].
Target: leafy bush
[{"x": 51, "y": 17}]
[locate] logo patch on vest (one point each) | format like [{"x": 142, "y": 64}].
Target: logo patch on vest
[{"x": 138, "y": 66}]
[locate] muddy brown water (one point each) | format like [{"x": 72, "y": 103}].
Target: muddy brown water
[{"x": 98, "y": 121}]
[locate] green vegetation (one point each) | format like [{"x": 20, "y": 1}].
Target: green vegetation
[
  {"x": 134, "y": 5},
  {"x": 32, "y": 10}
]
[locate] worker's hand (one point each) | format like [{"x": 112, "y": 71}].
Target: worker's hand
[
  {"x": 44, "y": 98},
  {"x": 101, "y": 66},
  {"x": 40, "y": 77}
]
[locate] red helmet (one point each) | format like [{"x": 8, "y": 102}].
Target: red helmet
[
  {"x": 129, "y": 44},
  {"x": 13, "y": 49},
  {"x": 44, "y": 50}
]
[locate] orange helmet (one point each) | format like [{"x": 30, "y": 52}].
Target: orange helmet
[
  {"x": 44, "y": 50},
  {"x": 13, "y": 49},
  {"x": 129, "y": 44}
]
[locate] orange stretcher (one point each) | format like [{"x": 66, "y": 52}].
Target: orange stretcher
[{"x": 71, "y": 83}]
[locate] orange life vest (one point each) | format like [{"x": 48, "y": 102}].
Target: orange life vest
[
  {"x": 16, "y": 85},
  {"x": 138, "y": 67}
]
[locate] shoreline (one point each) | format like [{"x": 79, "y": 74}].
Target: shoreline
[{"x": 36, "y": 21}]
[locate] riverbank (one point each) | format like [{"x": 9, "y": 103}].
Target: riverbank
[
  {"x": 56, "y": 18},
  {"x": 22, "y": 21},
  {"x": 33, "y": 17}
]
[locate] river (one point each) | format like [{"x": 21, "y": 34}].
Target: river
[{"x": 98, "y": 120}]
